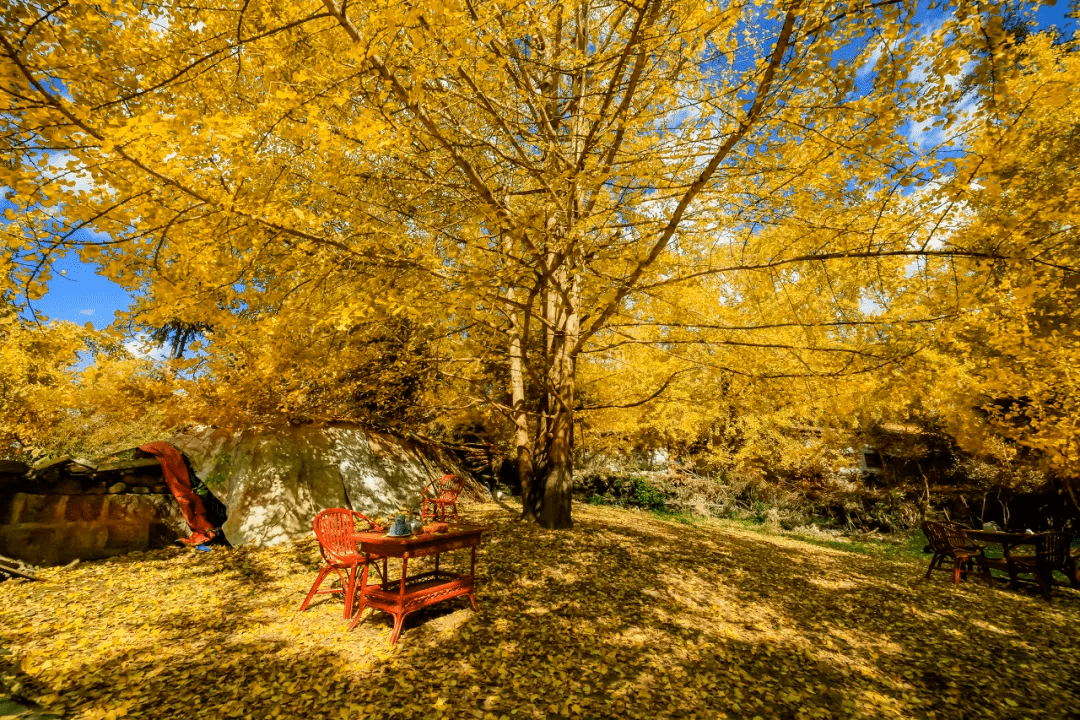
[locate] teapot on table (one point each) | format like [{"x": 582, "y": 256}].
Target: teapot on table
[{"x": 400, "y": 527}]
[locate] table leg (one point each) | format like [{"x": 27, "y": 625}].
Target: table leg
[
  {"x": 363, "y": 586},
  {"x": 1005, "y": 550},
  {"x": 472, "y": 579},
  {"x": 352, "y": 574},
  {"x": 399, "y": 616},
  {"x": 399, "y": 620}
]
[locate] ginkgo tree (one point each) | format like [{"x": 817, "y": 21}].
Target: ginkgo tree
[
  {"x": 35, "y": 377},
  {"x": 523, "y": 184},
  {"x": 51, "y": 406},
  {"x": 1011, "y": 350}
]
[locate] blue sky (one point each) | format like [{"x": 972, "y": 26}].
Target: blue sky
[
  {"x": 1054, "y": 15},
  {"x": 83, "y": 296}
]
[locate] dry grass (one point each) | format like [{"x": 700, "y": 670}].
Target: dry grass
[{"x": 624, "y": 616}]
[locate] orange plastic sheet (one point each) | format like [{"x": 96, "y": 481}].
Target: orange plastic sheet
[{"x": 179, "y": 482}]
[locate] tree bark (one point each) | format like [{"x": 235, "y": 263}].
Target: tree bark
[
  {"x": 558, "y": 470},
  {"x": 518, "y": 333}
]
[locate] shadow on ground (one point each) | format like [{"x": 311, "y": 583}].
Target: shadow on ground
[{"x": 626, "y": 615}]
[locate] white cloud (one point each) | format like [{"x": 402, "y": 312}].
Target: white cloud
[
  {"x": 86, "y": 312},
  {"x": 867, "y": 67},
  {"x": 141, "y": 347},
  {"x": 924, "y": 135},
  {"x": 77, "y": 174},
  {"x": 159, "y": 22},
  {"x": 870, "y": 306}
]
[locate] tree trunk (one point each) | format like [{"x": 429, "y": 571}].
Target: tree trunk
[
  {"x": 1072, "y": 494},
  {"x": 561, "y": 299},
  {"x": 518, "y": 332},
  {"x": 558, "y": 470},
  {"x": 558, "y": 476}
]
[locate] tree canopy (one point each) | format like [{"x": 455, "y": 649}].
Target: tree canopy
[{"x": 546, "y": 209}]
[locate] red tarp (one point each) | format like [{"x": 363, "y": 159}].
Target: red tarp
[{"x": 179, "y": 482}]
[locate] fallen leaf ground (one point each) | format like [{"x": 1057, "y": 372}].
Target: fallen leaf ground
[{"x": 627, "y": 616}]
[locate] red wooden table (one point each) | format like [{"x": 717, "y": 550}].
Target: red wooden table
[{"x": 401, "y": 597}]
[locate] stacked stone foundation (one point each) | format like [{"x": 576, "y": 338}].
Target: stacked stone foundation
[{"x": 71, "y": 510}]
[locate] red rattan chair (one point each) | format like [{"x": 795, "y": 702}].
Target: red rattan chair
[
  {"x": 439, "y": 496},
  {"x": 334, "y": 529},
  {"x": 949, "y": 543}
]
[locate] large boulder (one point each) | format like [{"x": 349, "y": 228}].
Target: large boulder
[{"x": 274, "y": 480}]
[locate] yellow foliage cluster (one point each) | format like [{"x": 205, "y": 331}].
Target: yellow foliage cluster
[
  {"x": 978, "y": 335},
  {"x": 1018, "y": 344},
  {"x": 35, "y": 378},
  {"x": 536, "y": 211},
  {"x": 65, "y": 389}
]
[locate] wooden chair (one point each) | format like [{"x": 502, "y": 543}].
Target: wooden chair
[
  {"x": 1051, "y": 553},
  {"x": 334, "y": 528},
  {"x": 949, "y": 542},
  {"x": 928, "y": 548},
  {"x": 441, "y": 496}
]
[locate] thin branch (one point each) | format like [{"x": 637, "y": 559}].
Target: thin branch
[{"x": 636, "y": 403}]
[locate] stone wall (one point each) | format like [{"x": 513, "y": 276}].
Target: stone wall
[
  {"x": 71, "y": 509},
  {"x": 56, "y": 529}
]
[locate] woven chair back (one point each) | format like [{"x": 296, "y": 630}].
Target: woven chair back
[
  {"x": 334, "y": 529},
  {"x": 448, "y": 487},
  {"x": 955, "y": 536}
]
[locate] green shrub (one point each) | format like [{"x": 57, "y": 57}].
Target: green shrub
[
  {"x": 632, "y": 492},
  {"x": 678, "y": 516},
  {"x": 644, "y": 495},
  {"x": 761, "y": 511}
]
